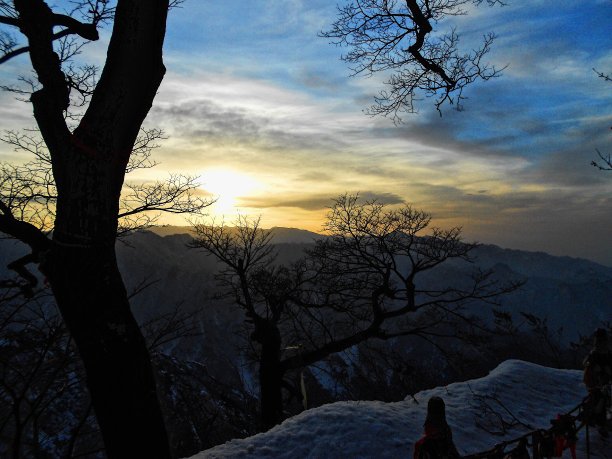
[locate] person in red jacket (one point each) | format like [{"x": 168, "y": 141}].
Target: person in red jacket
[{"x": 437, "y": 443}]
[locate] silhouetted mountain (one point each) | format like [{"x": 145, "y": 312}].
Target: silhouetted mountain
[
  {"x": 572, "y": 293},
  {"x": 281, "y": 235}
]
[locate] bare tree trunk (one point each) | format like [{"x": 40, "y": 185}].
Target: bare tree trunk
[
  {"x": 93, "y": 301},
  {"x": 16, "y": 446},
  {"x": 82, "y": 270},
  {"x": 270, "y": 374}
]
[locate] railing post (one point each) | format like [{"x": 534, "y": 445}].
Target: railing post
[
  {"x": 588, "y": 442},
  {"x": 535, "y": 443}
]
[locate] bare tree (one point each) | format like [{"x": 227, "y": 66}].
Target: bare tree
[
  {"x": 604, "y": 163},
  {"x": 29, "y": 192},
  {"x": 357, "y": 284},
  {"x": 42, "y": 393},
  {"x": 89, "y": 163},
  {"x": 45, "y": 409},
  {"x": 397, "y": 37},
  {"x": 257, "y": 288},
  {"x": 367, "y": 270}
]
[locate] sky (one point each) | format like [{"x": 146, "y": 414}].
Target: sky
[
  {"x": 373, "y": 429},
  {"x": 265, "y": 112}
]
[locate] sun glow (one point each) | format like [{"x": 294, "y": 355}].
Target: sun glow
[{"x": 227, "y": 186}]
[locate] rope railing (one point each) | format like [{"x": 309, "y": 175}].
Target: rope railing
[{"x": 543, "y": 441}]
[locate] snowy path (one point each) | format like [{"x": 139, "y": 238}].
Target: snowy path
[{"x": 533, "y": 393}]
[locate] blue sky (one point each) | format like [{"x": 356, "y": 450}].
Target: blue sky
[{"x": 266, "y": 112}]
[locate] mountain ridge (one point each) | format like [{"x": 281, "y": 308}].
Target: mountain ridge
[
  {"x": 297, "y": 235},
  {"x": 575, "y": 293}
]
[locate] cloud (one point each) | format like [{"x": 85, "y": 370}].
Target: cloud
[
  {"x": 318, "y": 201},
  {"x": 204, "y": 118},
  {"x": 15, "y": 113},
  {"x": 319, "y": 80}
]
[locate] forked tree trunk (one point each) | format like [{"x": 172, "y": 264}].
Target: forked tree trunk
[
  {"x": 89, "y": 168},
  {"x": 82, "y": 270}
]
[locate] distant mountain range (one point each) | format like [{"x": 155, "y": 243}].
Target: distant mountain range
[
  {"x": 281, "y": 235},
  {"x": 572, "y": 293}
]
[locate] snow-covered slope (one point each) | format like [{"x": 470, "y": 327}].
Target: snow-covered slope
[{"x": 532, "y": 393}]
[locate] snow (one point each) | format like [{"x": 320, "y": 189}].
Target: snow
[{"x": 532, "y": 393}]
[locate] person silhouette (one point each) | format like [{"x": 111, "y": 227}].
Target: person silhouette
[{"x": 437, "y": 443}]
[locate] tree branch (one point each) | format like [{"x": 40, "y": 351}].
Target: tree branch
[
  {"x": 49, "y": 102},
  {"x": 73, "y": 26},
  {"x": 398, "y": 37},
  {"x": 9, "y": 21}
]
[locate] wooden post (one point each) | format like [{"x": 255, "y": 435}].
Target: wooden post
[
  {"x": 588, "y": 442},
  {"x": 535, "y": 443}
]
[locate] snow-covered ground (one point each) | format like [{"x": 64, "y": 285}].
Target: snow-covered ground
[{"x": 532, "y": 393}]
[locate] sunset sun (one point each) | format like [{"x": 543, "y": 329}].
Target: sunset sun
[{"x": 227, "y": 187}]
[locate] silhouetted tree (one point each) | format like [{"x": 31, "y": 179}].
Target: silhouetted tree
[
  {"x": 260, "y": 289},
  {"x": 357, "y": 284},
  {"x": 527, "y": 336},
  {"x": 604, "y": 163},
  {"x": 89, "y": 163},
  {"x": 29, "y": 192},
  {"x": 45, "y": 408},
  {"x": 398, "y": 37}
]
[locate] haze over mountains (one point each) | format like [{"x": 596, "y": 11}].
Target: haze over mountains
[{"x": 571, "y": 293}]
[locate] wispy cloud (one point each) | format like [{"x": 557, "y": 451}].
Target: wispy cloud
[{"x": 317, "y": 201}]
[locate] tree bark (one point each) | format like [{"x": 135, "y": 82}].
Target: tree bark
[
  {"x": 270, "y": 373},
  {"x": 81, "y": 267},
  {"x": 93, "y": 302}
]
